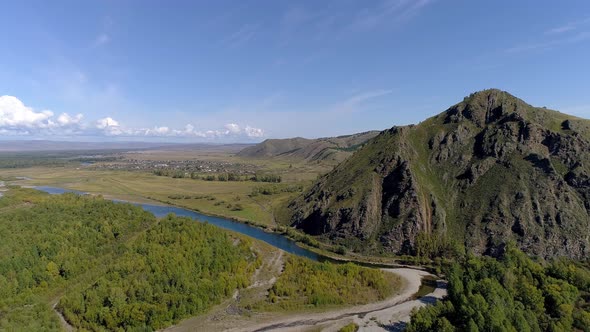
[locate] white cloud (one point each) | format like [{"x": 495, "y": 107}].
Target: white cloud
[
  {"x": 18, "y": 119},
  {"x": 101, "y": 40},
  {"x": 254, "y": 132},
  {"x": 551, "y": 44},
  {"x": 189, "y": 128},
  {"x": 66, "y": 120},
  {"x": 389, "y": 11},
  {"x": 560, "y": 29},
  {"x": 569, "y": 26},
  {"x": 15, "y": 115},
  {"x": 111, "y": 127},
  {"x": 233, "y": 128},
  {"x": 242, "y": 36},
  {"x": 341, "y": 18},
  {"x": 353, "y": 103},
  {"x": 568, "y": 33},
  {"x": 157, "y": 131},
  {"x": 361, "y": 97},
  {"x": 106, "y": 122}
]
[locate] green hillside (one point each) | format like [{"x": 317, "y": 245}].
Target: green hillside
[
  {"x": 329, "y": 149},
  {"x": 487, "y": 170}
]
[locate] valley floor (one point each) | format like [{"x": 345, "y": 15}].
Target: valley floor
[
  {"x": 209, "y": 197},
  {"x": 235, "y": 315}
]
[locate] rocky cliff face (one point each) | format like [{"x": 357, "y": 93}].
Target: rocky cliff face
[{"x": 487, "y": 170}]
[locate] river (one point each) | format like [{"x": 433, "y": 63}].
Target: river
[{"x": 273, "y": 239}]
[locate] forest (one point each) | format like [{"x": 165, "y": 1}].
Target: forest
[
  {"x": 223, "y": 177},
  {"x": 174, "y": 270},
  {"x": 52, "y": 241},
  {"x": 510, "y": 293},
  {"x": 307, "y": 284},
  {"x": 115, "y": 265}
]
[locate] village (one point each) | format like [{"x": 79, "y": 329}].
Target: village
[{"x": 188, "y": 166}]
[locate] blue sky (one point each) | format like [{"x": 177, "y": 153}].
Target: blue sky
[{"x": 242, "y": 71}]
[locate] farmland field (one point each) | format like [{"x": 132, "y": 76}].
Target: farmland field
[{"x": 247, "y": 201}]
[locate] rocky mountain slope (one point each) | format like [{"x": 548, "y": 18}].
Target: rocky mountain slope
[
  {"x": 320, "y": 149},
  {"x": 489, "y": 169}
]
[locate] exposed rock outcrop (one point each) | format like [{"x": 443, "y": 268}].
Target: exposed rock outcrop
[{"x": 488, "y": 170}]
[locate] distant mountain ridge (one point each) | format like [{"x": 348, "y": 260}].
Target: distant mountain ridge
[
  {"x": 488, "y": 170},
  {"x": 320, "y": 149},
  {"x": 46, "y": 145}
]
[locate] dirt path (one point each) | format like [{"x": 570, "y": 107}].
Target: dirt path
[
  {"x": 275, "y": 267},
  {"x": 230, "y": 313},
  {"x": 395, "y": 318},
  {"x": 64, "y": 324}
]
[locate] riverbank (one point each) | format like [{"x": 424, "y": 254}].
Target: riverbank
[
  {"x": 133, "y": 188},
  {"x": 271, "y": 235},
  {"x": 378, "y": 316}
]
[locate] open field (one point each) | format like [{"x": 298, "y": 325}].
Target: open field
[
  {"x": 119, "y": 179},
  {"x": 229, "y": 199},
  {"x": 291, "y": 169}
]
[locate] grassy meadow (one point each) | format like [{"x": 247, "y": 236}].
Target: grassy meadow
[{"x": 210, "y": 197}]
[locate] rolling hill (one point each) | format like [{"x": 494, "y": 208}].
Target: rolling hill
[
  {"x": 334, "y": 149},
  {"x": 489, "y": 170}
]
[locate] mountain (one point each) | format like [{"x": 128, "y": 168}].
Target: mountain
[
  {"x": 320, "y": 149},
  {"x": 488, "y": 170}
]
